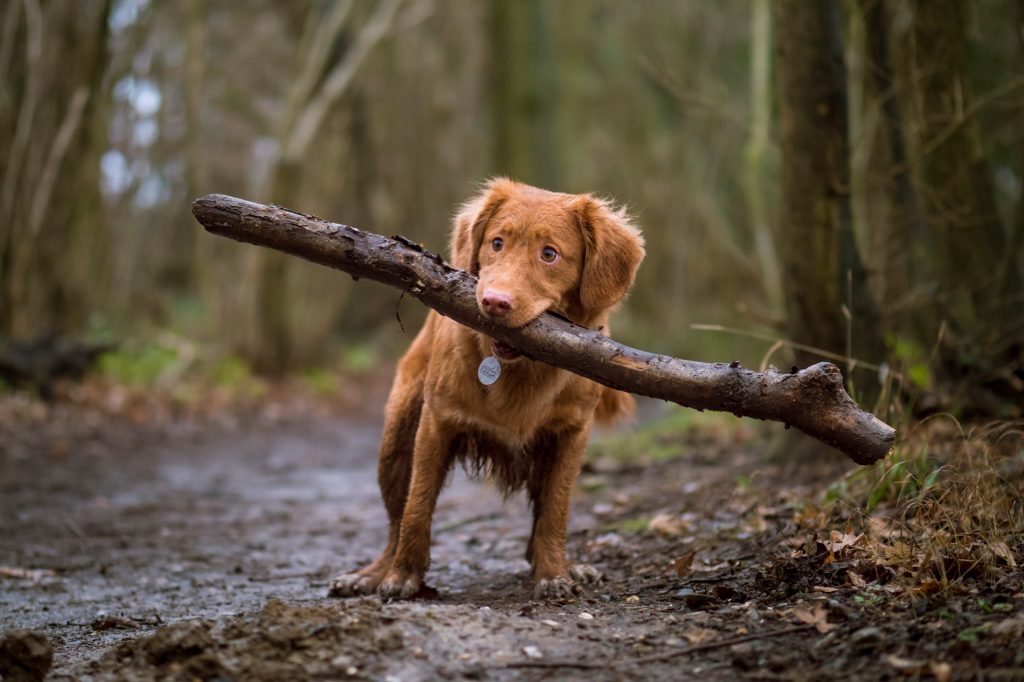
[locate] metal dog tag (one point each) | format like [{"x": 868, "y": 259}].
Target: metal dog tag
[{"x": 489, "y": 370}]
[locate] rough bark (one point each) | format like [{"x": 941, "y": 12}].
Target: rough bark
[
  {"x": 950, "y": 167},
  {"x": 755, "y": 170},
  {"x": 822, "y": 267},
  {"x": 813, "y": 400},
  {"x": 524, "y": 92},
  {"x": 898, "y": 238},
  {"x": 51, "y": 248}
]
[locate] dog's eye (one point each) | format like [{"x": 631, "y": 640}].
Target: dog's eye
[
  {"x": 548, "y": 255},
  {"x": 497, "y": 243}
]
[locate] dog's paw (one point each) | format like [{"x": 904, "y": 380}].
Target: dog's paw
[
  {"x": 585, "y": 574},
  {"x": 352, "y": 585},
  {"x": 559, "y": 587},
  {"x": 400, "y": 585}
]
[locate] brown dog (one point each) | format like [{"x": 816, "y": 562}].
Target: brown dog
[{"x": 533, "y": 251}]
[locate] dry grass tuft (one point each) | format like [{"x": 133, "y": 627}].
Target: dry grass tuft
[{"x": 946, "y": 507}]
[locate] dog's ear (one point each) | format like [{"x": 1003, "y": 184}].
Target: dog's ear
[
  {"x": 471, "y": 221},
  {"x": 613, "y": 249}
]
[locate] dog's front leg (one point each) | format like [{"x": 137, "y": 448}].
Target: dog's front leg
[
  {"x": 432, "y": 458},
  {"x": 552, "y": 496}
]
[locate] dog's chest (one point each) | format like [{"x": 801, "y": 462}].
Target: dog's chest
[{"x": 517, "y": 406}]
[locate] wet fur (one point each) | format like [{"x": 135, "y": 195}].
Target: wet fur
[{"x": 527, "y": 430}]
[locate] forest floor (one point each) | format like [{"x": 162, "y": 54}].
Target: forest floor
[{"x": 150, "y": 546}]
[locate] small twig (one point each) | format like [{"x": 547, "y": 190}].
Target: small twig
[
  {"x": 663, "y": 656},
  {"x": 70, "y": 524},
  {"x": 468, "y": 521},
  {"x": 709, "y": 579},
  {"x": 717, "y": 644},
  {"x": 398, "y": 313}
]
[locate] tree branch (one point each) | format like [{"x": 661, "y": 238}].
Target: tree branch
[{"x": 813, "y": 400}]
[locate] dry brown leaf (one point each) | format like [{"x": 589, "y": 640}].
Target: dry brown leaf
[
  {"x": 838, "y": 541},
  {"x": 855, "y": 579},
  {"x": 897, "y": 551},
  {"x": 810, "y": 517},
  {"x": 816, "y": 616},
  {"x": 667, "y": 524},
  {"x": 1003, "y": 551},
  {"x": 941, "y": 671},
  {"x": 907, "y": 666},
  {"x": 927, "y": 587},
  {"x": 1010, "y": 627},
  {"x": 699, "y": 635},
  {"x": 681, "y": 565},
  {"x": 26, "y": 573}
]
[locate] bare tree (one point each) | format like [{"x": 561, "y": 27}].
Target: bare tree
[{"x": 320, "y": 80}]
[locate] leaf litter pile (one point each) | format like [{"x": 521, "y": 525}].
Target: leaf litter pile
[{"x": 717, "y": 562}]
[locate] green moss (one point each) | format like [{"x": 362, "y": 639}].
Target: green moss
[{"x": 662, "y": 439}]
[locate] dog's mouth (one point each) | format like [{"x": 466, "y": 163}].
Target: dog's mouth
[{"x": 503, "y": 351}]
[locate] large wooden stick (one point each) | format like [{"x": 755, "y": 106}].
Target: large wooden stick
[{"x": 813, "y": 399}]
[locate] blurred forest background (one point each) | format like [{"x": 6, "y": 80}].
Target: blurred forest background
[{"x": 836, "y": 178}]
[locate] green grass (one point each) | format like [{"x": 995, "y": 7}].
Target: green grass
[
  {"x": 141, "y": 368},
  {"x": 662, "y": 439},
  {"x": 906, "y": 474}
]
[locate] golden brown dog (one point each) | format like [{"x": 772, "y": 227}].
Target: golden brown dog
[{"x": 533, "y": 251}]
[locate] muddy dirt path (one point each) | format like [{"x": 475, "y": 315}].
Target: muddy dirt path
[{"x": 209, "y": 558}]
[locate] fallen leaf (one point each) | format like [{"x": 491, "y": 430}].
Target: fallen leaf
[
  {"x": 907, "y": 666},
  {"x": 1010, "y": 627},
  {"x": 1003, "y": 551},
  {"x": 33, "y": 574},
  {"x": 941, "y": 671},
  {"x": 816, "y": 616},
  {"x": 532, "y": 652},
  {"x": 699, "y": 635},
  {"x": 681, "y": 565},
  {"x": 927, "y": 587},
  {"x": 667, "y": 524},
  {"x": 839, "y": 541}
]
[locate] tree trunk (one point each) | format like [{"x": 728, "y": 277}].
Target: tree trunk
[
  {"x": 812, "y": 400},
  {"x": 1015, "y": 254},
  {"x": 524, "y": 94},
  {"x": 889, "y": 209},
  {"x": 755, "y": 173},
  {"x": 51, "y": 241},
  {"x": 951, "y": 169},
  {"x": 319, "y": 84},
  {"x": 977, "y": 281},
  {"x": 828, "y": 305}
]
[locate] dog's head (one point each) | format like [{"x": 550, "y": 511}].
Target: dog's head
[{"x": 535, "y": 250}]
